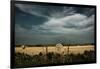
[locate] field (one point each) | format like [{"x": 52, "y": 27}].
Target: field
[
  {"x": 62, "y": 49},
  {"x": 37, "y": 56}
]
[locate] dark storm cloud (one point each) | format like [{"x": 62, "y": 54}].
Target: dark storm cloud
[
  {"x": 27, "y": 20},
  {"x": 54, "y": 24},
  {"x": 85, "y": 11}
]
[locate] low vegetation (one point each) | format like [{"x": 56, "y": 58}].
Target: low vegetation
[{"x": 24, "y": 60}]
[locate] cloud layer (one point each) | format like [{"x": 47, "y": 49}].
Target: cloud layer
[{"x": 64, "y": 23}]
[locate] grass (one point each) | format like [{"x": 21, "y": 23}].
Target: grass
[{"x": 25, "y": 60}]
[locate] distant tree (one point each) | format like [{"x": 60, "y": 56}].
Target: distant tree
[{"x": 40, "y": 54}]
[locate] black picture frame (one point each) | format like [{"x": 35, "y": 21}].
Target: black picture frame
[{"x": 12, "y": 41}]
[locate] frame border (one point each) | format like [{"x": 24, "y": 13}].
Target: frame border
[{"x": 12, "y": 30}]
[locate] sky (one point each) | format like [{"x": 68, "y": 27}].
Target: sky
[{"x": 49, "y": 24}]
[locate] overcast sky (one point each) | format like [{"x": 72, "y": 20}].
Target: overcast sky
[{"x": 46, "y": 24}]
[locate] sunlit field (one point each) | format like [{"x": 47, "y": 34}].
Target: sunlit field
[
  {"x": 51, "y": 55},
  {"x": 61, "y": 50}
]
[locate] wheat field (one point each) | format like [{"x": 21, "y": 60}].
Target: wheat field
[{"x": 61, "y": 50}]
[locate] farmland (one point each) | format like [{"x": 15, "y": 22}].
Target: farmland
[
  {"x": 52, "y": 55},
  {"x": 63, "y": 49}
]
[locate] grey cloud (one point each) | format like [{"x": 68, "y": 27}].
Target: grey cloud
[
  {"x": 63, "y": 24},
  {"x": 59, "y": 21},
  {"x": 46, "y": 11},
  {"x": 31, "y": 9},
  {"x": 70, "y": 24}
]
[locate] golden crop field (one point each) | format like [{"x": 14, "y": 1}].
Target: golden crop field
[{"x": 61, "y": 50}]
